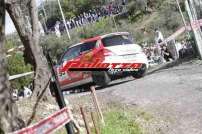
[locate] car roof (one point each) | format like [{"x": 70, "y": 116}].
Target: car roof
[
  {"x": 99, "y": 37},
  {"x": 112, "y": 34}
]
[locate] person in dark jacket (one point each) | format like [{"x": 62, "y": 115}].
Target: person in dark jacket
[{"x": 166, "y": 53}]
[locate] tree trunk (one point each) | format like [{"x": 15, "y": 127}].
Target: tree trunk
[
  {"x": 24, "y": 14},
  {"x": 9, "y": 120}
]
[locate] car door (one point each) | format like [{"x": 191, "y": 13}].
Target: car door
[{"x": 68, "y": 78}]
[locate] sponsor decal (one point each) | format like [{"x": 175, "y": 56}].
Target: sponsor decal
[{"x": 97, "y": 65}]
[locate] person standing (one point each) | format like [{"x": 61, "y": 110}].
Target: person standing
[
  {"x": 123, "y": 2},
  {"x": 158, "y": 40},
  {"x": 158, "y": 37},
  {"x": 57, "y": 29},
  {"x": 110, "y": 6},
  {"x": 68, "y": 24}
]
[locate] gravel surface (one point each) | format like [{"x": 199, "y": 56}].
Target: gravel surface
[{"x": 173, "y": 96}]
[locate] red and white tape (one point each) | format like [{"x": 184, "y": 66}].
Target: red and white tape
[
  {"x": 195, "y": 25},
  {"x": 49, "y": 124}
]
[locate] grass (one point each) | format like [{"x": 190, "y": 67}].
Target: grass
[{"x": 119, "y": 122}]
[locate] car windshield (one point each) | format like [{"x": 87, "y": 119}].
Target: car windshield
[{"x": 116, "y": 40}]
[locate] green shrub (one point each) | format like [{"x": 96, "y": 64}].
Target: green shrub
[
  {"x": 58, "y": 45},
  {"x": 16, "y": 65},
  {"x": 136, "y": 9},
  {"x": 104, "y": 26}
]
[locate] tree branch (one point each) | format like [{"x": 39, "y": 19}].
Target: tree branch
[{"x": 34, "y": 18}]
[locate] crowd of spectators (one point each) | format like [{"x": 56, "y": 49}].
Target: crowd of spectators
[
  {"x": 89, "y": 17},
  {"x": 159, "y": 52}
]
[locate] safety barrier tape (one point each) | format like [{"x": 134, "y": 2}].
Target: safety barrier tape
[
  {"x": 49, "y": 124},
  {"x": 194, "y": 24}
]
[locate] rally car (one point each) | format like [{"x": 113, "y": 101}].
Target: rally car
[{"x": 110, "y": 48}]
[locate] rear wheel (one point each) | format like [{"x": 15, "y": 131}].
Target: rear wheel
[
  {"x": 101, "y": 78},
  {"x": 140, "y": 73}
]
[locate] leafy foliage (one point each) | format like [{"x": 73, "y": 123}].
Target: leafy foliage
[
  {"x": 17, "y": 66},
  {"x": 57, "y": 45},
  {"x": 136, "y": 9},
  {"x": 103, "y": 26}
]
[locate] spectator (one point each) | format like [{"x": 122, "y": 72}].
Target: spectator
[
  {"x": 158, "y": 36},
  {"x": 178, "y": 47},
  {"x": 166, "y": 53},
  {"x": 27, "y": 92},
  {"x": 15, "y": 94},
  {"x": 110, "y": 8},
  {"x": 68, "y": 24},
  {"x": 158, "y": 40},
  {"x": 57, "y": 29},
  {"x": 21, "y": 93},
  {"x": 123, "y": 2}
]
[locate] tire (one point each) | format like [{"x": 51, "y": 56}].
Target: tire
[
  {"x": 101, "y": 78},
  {"x": 140, "y": 73}
]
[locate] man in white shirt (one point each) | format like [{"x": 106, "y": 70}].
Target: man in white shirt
[
  {"x": 57, "y": 29},
  {"x": 158, "y": 37},
  {"x": 27, "y": 92}
]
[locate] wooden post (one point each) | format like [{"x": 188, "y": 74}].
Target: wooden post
[
  {"x": 96, "y": 103},
  {"x": 85, "y": 120},
  {"x": 95, "y": 123}
]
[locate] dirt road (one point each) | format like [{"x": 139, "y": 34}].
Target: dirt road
[{"x": 173, "y": 95}]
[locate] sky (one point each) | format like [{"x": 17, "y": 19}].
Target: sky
[{"x": 9, "y": 24}]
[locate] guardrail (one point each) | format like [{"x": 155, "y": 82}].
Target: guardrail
[{"x": 20, "y": 75}]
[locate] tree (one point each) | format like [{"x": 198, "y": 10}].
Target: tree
[
  {"x": 24, "y": 15},
  {"x": 9, "y": 120}
]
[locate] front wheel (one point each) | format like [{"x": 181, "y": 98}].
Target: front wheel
[{"x": 101, "y": 78}]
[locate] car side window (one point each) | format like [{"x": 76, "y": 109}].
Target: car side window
[
  {"x": 88, "y": 46},
  {"x": 71, "y": 53}
]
